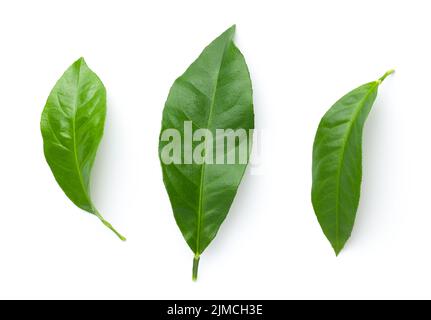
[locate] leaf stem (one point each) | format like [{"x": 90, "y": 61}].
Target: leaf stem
[
  {"x": 196, "y": 267},
  {"x": 387, "y": 74},
  {"x": 107, "y": 224}
]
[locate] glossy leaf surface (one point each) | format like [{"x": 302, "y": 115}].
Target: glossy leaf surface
[
  {"x": 214, "y": 93},
  {"x": 337, "y": 163},
  {"x": 72, "y": 127}
]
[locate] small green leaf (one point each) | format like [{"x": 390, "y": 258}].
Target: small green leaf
[
  {"x": 337, "y": 163},
  {"x": 214, "y": 93},
  {"x": 72, "y": 127}
]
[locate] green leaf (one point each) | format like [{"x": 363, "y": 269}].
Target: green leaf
[
  {"x": 72, "y": 127},
  {"x": 214, "y": 93},
  {"x": 337, "y": 163}
]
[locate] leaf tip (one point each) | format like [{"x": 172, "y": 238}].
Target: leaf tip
[
  {"x": 231, "y": 30},
  {"x": 338, "y": 249},
  {"x": 80, "y": 62}
]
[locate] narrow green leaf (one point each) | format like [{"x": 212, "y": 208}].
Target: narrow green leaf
[
  {"x": 337, "y": 163},
  {"x": 72, "y": 127},
  {"x": 214, "y": 93}
]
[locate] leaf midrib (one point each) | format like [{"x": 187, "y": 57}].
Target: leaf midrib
[
  {"x": 75, "y": 149},
  {"x": 201, "y": 187},
  {"x": 349, "y": 131}
]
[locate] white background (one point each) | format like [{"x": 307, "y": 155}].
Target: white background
[{"x": 303, "y": 56}]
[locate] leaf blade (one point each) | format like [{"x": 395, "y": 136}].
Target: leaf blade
[
  {"x": 72, "y": 125},
  {"x": 214, "y": 93},
  {"x": 337, "y": 163}
]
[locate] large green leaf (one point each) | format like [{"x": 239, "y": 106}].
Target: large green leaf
[
  {"x": 214, "y": 93},
  {"x": 72, "y": 127},
  {"x": 337, "y": 163}
]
